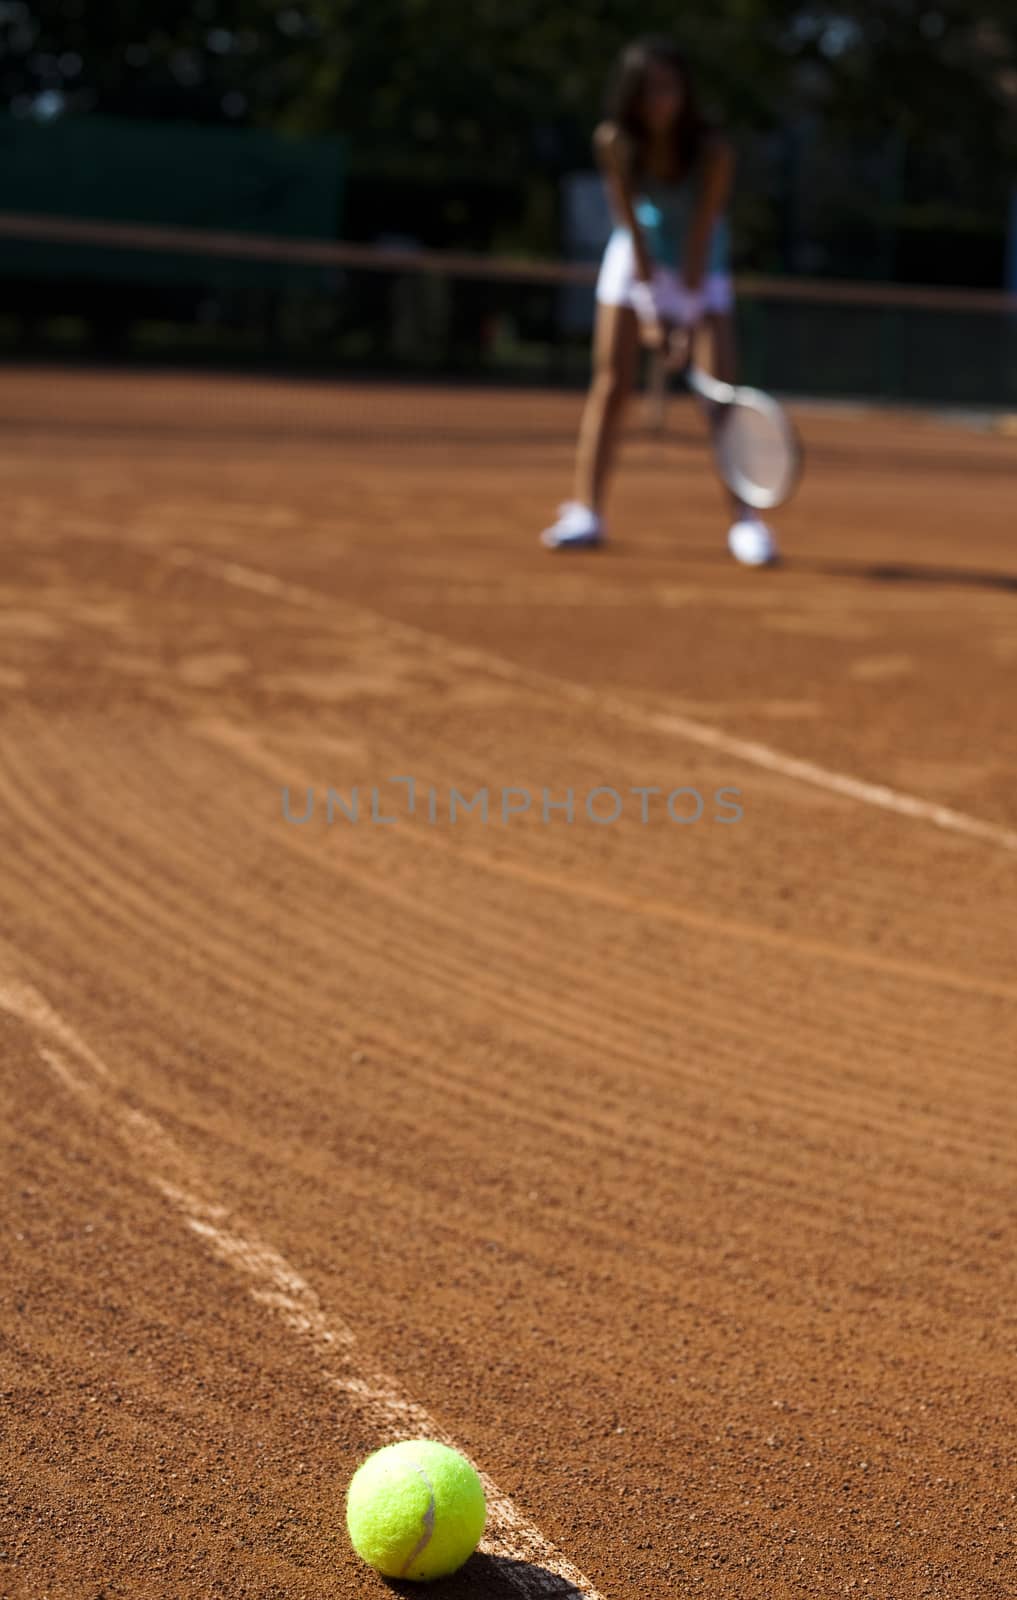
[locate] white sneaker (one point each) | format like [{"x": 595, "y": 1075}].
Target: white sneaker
[
  {"x": 752, "y": 543},
  {"x": 577, "y": 528}
]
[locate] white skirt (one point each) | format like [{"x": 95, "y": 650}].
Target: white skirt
[{"x": 618, "y": 275}]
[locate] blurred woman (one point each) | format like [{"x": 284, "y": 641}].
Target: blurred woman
[{"x": 666, "y": 271}]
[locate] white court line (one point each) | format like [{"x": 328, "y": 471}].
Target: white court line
[
  {"x": 532, "y": 1565},
  {"x": 701, "y": 733}
]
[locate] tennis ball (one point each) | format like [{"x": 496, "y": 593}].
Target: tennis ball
[{"x": 415, "y": 1510}]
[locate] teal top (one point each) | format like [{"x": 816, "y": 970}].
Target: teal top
[{"x": 664, "y": 212}]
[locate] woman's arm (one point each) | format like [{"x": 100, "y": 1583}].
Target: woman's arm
[
  {"x": 714, "y": 193},
  {"x": 609, "y": 147}
]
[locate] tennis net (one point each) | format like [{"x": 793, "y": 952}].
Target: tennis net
[{"x": 76, "y": 287}]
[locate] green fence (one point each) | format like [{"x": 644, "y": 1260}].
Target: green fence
[{"x": 247, "y": 181}]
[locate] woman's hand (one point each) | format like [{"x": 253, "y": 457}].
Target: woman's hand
[
  {"x": 672, "y": 333},
  {"x": 677, "y": 348}
]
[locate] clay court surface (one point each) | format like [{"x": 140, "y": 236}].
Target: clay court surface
[{"x": 666, "y": 1168}]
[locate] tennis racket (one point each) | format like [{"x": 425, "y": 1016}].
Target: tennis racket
[{"x": 756, "y": 447}]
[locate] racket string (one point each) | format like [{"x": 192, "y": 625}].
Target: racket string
[{"x": 756, "y": 455}]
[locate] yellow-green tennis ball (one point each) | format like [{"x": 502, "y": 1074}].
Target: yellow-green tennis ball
[{"x": 415, "y": 1510}]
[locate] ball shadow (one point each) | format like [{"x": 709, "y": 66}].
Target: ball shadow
[{"x": 489, "y": 1577}]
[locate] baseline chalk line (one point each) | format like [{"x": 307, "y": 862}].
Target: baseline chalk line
[{"x": 882, "y": 796}]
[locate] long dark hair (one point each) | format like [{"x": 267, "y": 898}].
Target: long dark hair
[{"x": 627, "y": 94}]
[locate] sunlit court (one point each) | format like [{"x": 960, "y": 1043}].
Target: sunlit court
[{"x": 536, "y": 983}]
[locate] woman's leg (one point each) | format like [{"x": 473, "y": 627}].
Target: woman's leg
[
  {"x": 722, "y": 360},
  {"x": 615, "y": 352}
]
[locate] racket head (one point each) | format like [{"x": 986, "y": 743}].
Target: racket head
[{"x": 758, "y": 452}]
